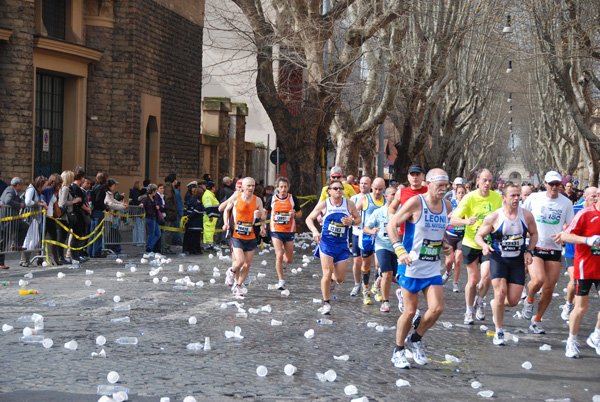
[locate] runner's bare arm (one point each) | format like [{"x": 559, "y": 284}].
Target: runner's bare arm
[
  {"x": 318, "y": 211},
  {"x": 394, "y": 204},
  {"x": 485, "y": 229}
]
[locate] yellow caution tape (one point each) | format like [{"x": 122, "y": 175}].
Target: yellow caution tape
[
  {"x": 100, "y": 225},
  {"x": 25, "y": 215},
  {"x": 73, "y": 248},
  {"x": 123, "y": 215}
]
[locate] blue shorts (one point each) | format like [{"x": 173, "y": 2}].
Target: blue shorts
[
  {"x": 415, "y": 285},
  {"x": 339, "y": 252},
  {"x": 355, "y": 249},
  {"x": 366, "y": 244},
  {"x": 245, "y": 245},
  {"x": 283, "y": 236},
  {"x": 511, "y": 269},
  {"x": 387, "y": 261},
  {"x": 400, "y": 272}
]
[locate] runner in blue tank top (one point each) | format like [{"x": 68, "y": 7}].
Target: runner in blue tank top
[
  {"x": 426, "y": 218},
  {"x": 332, "y": 241}
]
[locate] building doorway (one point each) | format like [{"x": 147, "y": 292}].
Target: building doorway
[
  {"x": 151, "y": 165},
  {"x": 49, "y": 116}
]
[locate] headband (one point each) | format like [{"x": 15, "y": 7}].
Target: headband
[{"x": 438, "y": 178}]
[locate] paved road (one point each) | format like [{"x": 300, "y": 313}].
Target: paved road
[{"x": 161, "y": 366}]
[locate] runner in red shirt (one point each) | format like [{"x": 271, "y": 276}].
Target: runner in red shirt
[{"x": 584, "y": 232}]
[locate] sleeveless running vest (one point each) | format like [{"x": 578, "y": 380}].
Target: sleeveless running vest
[
  {"x": 425, "y": 238},
  {"x": 368, "y": 241},
  {"x": 356, "y": 229},
  {"x": 334, "y": 231},
  {"x": 509, "y": 239},
  {"x": 281, "y": 221},
  {"x": 243, "y": 218}
]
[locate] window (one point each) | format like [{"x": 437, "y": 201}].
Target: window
[{"x": 54, "y": 14}]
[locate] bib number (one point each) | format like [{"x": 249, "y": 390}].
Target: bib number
[
  {"x": 336, "y": 229},
  {"x": 243, "y": 228},
  {"x": 459, "y": 230},
  {"x": 430, "y": 250},
  {"x": 282, "y": 218},
  {"x": 512, "y": 243}
]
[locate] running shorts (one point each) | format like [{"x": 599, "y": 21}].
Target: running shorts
[
  {"x": 547, "y": 255},
  {"x": 511, "y": 269}
]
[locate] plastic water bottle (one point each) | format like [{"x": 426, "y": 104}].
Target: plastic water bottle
[
  {"x": 104, "y": 389},
  {"x": 122, "y": 307},
  {"x": 128, "y": 340},
  {"x": 120, "y": 319},
  {"x": 32, "y": 339},
  {"x": 325, "y": 321},
  {"x": 28, "y": 275},
  {"x": 195, "y": 347}
]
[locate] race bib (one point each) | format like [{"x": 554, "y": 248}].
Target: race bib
[
  {"x": 336, "y": 229},
  {"x": 282, "y": 218},
  {"x": 243, "y": 228},
  {"x": 459, "y": 230},
  {"x": 430, "y": 250},
  {"x": 595, "y": 251},
  {"x": 512, "y": 242}
]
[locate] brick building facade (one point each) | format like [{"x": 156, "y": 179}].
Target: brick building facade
[{"x": 111, "y": 85}]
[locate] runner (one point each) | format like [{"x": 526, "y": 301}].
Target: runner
[
  {"x": 284, "y": 208},
  {"x": 367, "y": 204},
  {"x": 474, "y": 207},
  {"x": 388, "y": 262},
  {"x": 508, "y": 226},
  {"x": 246, "y": 209},
  {"x": 590, "y": 196},
  {"x": 583, "y": 231},
  {"x": 416, "y": 176},
  {"x": 365, "y": 188},
  {"x": 451, "y": 195},
  {"x": 453, "y": 238},
  {"x": 525, "y": 192},
  {"x": 551, "y": 212},
  {"x": 332, "y": 242},
  {"x": 426, "y": 218},
  {"x": 336, "y": 174}
]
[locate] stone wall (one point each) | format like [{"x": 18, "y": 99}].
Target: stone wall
[{"x": 16, "y": 89}]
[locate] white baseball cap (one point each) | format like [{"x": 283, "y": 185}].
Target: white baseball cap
[
  {"x": 551, "y": 176},
  {"x": 459, "y": 180}
]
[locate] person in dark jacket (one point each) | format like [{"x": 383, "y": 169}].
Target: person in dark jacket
[
  {"x": 97, "y": 196},
  {"x": 171, "y": 212},
  {"x": 151, "y": 210},
  {"x": 10, "y": 199},
  {"x": 193, "y": 228}
]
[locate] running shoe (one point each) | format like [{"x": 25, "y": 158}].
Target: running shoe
[
  {"x": 446, "y": 276},
  {"x": 566, "y": 311},
  {"x": 400, "y": 300},
  {"x": 229, "y": 277},
  {"x": 469, "y": 318},
  {"x": 524, "y": 293},
  {"x": 479, "y": 312},
  {"x": 378, "y": 296},
  {"x": 527, "y": 311},
  {"x": 366, "y": 297},
  {"x": 281, "y": 285},
  {"x": 572, "y": 349},
  {"x": 385, "y": 307},
  {"x": 416, "y": 319},
  {"x": 355, "y": 290},
  {"x": 455, "y": 288},
  {"x": 237, "y": 292},
  {"x": 499, "y": 338},
  {"x": 325, "y": 309},
  {"x": 536, "y": 327},
  {"x": 593, "y": 343},
  {"x": 417, "y": 351},
  {"x": 399, "y": 359}
]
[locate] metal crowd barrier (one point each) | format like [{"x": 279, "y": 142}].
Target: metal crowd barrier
[
  {"x": 127, "y": 227},
  {"x": 22, "y": 230}
]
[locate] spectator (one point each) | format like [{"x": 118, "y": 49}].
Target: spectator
[
  {"x": 68, "y": 217},
  {"x": 211, "y": 214},
  {"x": 33, "y": 199},
  {"x": 193, "y": 228},
  {"x": 190, "y": 191},
  {"x": 151, "y": 210},
  {"x": 177, "y": 239},
  {"x": 161, "y": 210},
  {"x": 225, "y": 191},
  {"x": 113, "y": 205},
  {"x": 81, "y": 209},
  {"x": 3, "y": 184},
  {"x": 170, "y": 211},
  {"x": 11, "y": 206},
  {"x": 50, "y": 197},
  {"x": 97, "y": 196}
]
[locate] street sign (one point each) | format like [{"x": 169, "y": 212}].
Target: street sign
[
  {"x": 46, "y": 140},
  {"x": 273, "y": 157},
  {"x": 576, "y": 182}
]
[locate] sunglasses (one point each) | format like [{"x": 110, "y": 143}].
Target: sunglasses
[
  {"x": 336, "y": 177},
  {"x": 554, "y": 184},
  {"x": 336, "y": 188}
]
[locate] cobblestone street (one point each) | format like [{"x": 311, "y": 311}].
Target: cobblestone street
[{"x": 161, "y": 366}]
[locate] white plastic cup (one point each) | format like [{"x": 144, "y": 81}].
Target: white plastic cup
[
  {"x": 27, "y": 331},
  {"x": 330, "y": 375},
  {"x": 47, "y": 343},
  {"x": 112, "y": 377},
  {"x": 309, "y": 333},
  {"x": 261, "y": 371},
  {"x": 350, "y": 390},
  {"x": 117, "y": 299},
  {"x": 192, "y": 320},
  {"x": 289, "y": 369},
  {"x": 88, "y": 283},
  {"x": 100, "y": 340},
  {"x": 71, "y": 345}
]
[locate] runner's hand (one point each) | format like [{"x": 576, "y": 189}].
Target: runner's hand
[
  {"x": 317, "y": 237},
  {"x": 472, "y": 220},
  {"x": 487, "y": 250},
  {"x": 528, "y": 258},
  {"x": 405, "y": 259},
  {"x": 556, "y": 238}
]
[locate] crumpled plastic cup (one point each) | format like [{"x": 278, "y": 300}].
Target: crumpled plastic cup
[
  {"x": 350, "y": 390},
  {"x": 289, "y": 369},
  {"x": 71, "y": 345},
  {"x": 261, "y": 371},
  {"x": 112, "y": 377}
]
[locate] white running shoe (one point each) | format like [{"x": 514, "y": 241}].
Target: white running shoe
[
  {"x": 325, "y": 309},
  {"x": 400, "y": 300},
  {"x": 332, "y": 286},
  {"x": 499, "y": 339},
  {"x": 229, "y": 277},
  {"x": 237, "y": 292},
  {"x": 399, "y": 359},
  {"x": 446, "y": 276},
  {"x": 593, "y": 343},
  {"x": 536, "y": 327},
  {"x": 572, "y": 350},
  {"x": 479, "y": 312},
  {"x": 355, "y": 290},
  {"x": 566, "y": 311},
  {"x": 455, "y": 288},
  {"x": 417, "y": 351},
  {"x": 385, "y": 307},
  {"x": 527, "y": 310},
  {"x": 469, "y": 318},
  {"x": 524, "y": 293},
  {"x": 281, "y": 285}
]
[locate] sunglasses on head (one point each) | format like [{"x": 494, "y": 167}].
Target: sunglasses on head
[
  {"x": 554, "y": 184},
  {"x": 336, "y": 188}
]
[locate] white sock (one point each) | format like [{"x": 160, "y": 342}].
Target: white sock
[
  {"x": 469, "y": 309},
  {"x": 479, "y": 300},
  {"x": 569, "y": 304},
  {"x": 499, "y": 330},
  {"x": 572, "y": 338}
]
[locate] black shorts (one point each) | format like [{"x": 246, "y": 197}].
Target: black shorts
[
  {"x": 583, "y": 286},
  {"x": 245, "y": 245},
  {"x": 355, "y": 249},
  {"x": 547, "y": 255},
  {"x": 511, "y": 269},
  {"x": 387, "y": 261},
  {"x": 570, "y": 261},
  {"x": 473, "y": 254},
  {"x": 453, "y": 241}
]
